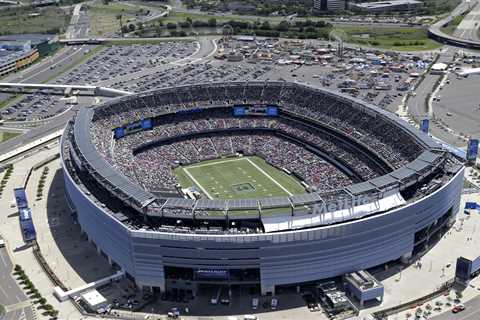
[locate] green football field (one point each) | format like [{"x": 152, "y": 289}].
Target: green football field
[{"x": 238, "y": 178}]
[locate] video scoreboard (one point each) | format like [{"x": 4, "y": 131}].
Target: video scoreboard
[
  {"x": 144, "y": 124},
  {"x": 268, "y": 110}
]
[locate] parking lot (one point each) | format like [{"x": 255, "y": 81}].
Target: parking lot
[
  {"x": 456, "y": 105},
  {"x": 382, "y": 78},
  {"x": 111, "y": 62},
  {"x": 378, "y": 77}
]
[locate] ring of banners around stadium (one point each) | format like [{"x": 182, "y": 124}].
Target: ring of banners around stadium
[{"x": 372, "y": 155}]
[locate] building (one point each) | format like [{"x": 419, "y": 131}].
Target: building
[
  {"x": 330, "y": 5},
  {"x": 16, "y": 55},
  {"x": 161, "y": 240},
  {"x": 19, "y": 51},
  {"x": 364, "y": 287},
  {"x": 387, "y": 6}
]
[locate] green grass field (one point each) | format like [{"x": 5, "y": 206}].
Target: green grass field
[
  {"x": 400, "y": 39},
  {"x": 33, "y": 20},
  {"x": 238, "y": 178},
  {"x": 7, "y": 135}
]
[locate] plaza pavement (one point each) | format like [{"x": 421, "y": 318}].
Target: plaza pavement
[
  {"x": 438, "y": 264},
  {"x": 20, "y": 253}
]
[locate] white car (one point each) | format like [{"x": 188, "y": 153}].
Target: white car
[{"x": 2, "y": 243}]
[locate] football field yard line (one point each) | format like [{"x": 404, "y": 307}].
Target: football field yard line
[
  {"x": 197, "y": 183},
  {"x": 268, "y": 176},
  {"x": 214, "y": 163}
]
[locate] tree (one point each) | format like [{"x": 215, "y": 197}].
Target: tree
[
  {"x": 283, "y": 26},
  {"x": 265, "y": 25},
  {"x": 120, "y": 22},
  {"x": 42, "y": 301},
  {"x": 158, "y": 30},
  {"x": 131, "y": 27},
  {"x": 171, "y": 25},
  {"x": 212, "y": 22},
  {"x": 53, "y": 313}
]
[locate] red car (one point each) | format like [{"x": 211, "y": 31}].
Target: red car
[{"x": 458, "y": 308}]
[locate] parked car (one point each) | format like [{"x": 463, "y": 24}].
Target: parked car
[{"x": 458, "y": 308}]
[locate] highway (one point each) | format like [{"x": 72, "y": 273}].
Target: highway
[
  {"x": 11, "y": 296},
  {"x": 471, "y": 41},
  {"x": 468, "y": 28}
]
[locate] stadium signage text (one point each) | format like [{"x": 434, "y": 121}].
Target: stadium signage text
[{"x": 341, "y": 204}]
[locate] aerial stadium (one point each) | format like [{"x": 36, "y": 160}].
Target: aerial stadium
[{"x": 266, "y": 184}]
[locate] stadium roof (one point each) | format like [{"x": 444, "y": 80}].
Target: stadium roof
[
  {"x": 209, "y": 204},
  {"x": 105, "y": 170},
  {"x": 275, "y": 202},
  {"x": 179, "y": 203},
  {"x": 303, "y": 199},
  {"x": 242, "y": 204}
]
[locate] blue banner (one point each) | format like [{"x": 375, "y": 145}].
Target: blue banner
[
  {"x": 272, "y": 111},
  {"x": 119, "y": 133},
  {"x": 238, "y": 111},
  {"x": 472, "y": 149},
  {"x": 147, "y": 123},
  {"x": 424, "y": 126},
  {"x": 20, "y": 198},
  {"x": 471, "y": 205}
]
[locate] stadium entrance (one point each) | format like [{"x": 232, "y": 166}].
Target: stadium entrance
[{"x": 189, "y": 282}]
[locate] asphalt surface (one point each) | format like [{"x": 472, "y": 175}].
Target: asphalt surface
[
  {"x": 50, "y": 66},
  {"x": 459, "y": 106},
  {"x": 471, "y": 312},
  {"x": 458, "y": 98},
  {"x": 468, "y": 28},
  {"x": 10, "y": 293},
  {"x": 69, "y": 56},
  {"x": 455, "y": 39}
]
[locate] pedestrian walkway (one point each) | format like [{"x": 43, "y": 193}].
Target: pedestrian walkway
[
  {"x": 437, "y": 266},
  {"x": 23, "y": 254},
  {"x": 18, "y": 306}
]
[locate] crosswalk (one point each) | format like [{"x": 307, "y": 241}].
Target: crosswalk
[{"x": 18, "y": 306}]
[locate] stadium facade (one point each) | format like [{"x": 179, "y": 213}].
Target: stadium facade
[{"x": 393, "y": 216}]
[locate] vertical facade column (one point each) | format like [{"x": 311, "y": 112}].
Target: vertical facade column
[
  {"x": 406, "y": 257},
  {"x": 267, "y": 289}
]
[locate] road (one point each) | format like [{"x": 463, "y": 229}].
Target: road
[
  {"x": 468, "y": 28},
  {"x": 417, "y": 104},
  {"x": 11, "y": 296},
  {"x": 206, "y": 48},
  {"x": 472, "y": 312},
  {"x": 436, "y": 33}
]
